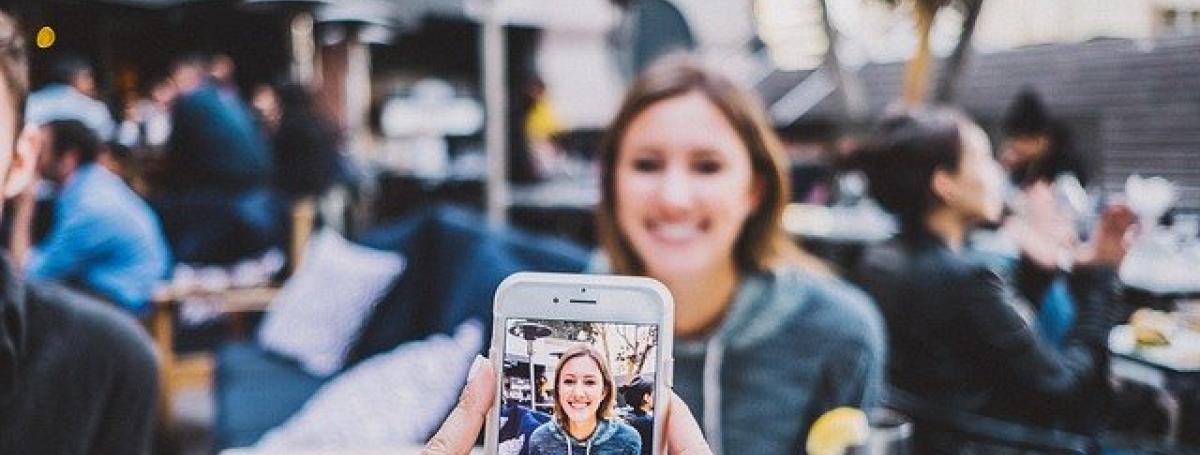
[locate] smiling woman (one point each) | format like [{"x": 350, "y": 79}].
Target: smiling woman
[
  {"x": 693, "y": 191},
  {"x": 583, "y": 406}
]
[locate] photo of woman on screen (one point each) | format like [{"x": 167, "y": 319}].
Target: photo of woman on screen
[{"x": 583, "y": 422}]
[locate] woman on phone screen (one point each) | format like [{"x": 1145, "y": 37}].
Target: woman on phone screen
[{"x": 583, "y": 421}]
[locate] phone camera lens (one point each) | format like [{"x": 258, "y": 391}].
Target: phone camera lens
[
  {"x": 556, "y": 300},
  {"x": 583, "y": 290}
]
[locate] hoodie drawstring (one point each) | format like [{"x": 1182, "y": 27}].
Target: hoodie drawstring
[
  {"x": 571, "y": 448},
  {"x": 714, "y": 354},
  {"x": 571, "y": 443}
]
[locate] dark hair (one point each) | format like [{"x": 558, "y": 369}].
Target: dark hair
[
  {"x": 1027, "y": 115},
  {"x": 902, "y": 154},
  {"x": 307, "y": 155},
  {"x": 69, "y": 66},
  {"x": 635, "y": 392},
  {"x": 68, "y": 135},
  {"x": 14, "y": 68},
  {"x": 762, "y": 243},
  {"x": 191, "y": 59}
]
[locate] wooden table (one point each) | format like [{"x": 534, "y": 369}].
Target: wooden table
[{"x": 179, "y": 372}]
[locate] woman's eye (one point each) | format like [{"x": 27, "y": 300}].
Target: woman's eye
[
  {"x": 569, "y": 381},
  {"x": 707, "y": 167},
  {"x": 589, "y": 382},
  {"x": 646, "y": 164}
]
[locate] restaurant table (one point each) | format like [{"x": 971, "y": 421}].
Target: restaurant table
[{"x": 1172, "y": 372}]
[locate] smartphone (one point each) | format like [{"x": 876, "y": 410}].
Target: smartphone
[{"x": 584, "y": 362}]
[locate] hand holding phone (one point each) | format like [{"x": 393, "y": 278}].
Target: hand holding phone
[{"x": 584, "y": 361}]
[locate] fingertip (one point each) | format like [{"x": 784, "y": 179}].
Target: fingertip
[{"x": 481, "y": 383}]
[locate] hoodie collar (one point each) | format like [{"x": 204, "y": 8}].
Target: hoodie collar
[
  {"x": 13, "y": 327},
  {"x": 604, "y": 431}
]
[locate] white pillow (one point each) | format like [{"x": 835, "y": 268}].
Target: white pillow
[
  {"x": 394, "y": 399},
  {"x": 323, "y": 305}
]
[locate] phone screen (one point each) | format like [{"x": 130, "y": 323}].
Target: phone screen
[{"x": 578, "y": 387}]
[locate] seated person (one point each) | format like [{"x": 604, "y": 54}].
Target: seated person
[
  {"x": 71, "y": 95},
  {"x": 213, "y": 194},
  {"x": 959, "y": 346},
  {"x": 104, "y": 237},
  {"x": 76, "y": 376}
]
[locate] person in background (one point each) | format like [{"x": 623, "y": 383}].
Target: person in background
[
  {"x": 306, "y": 145},
  {"x": 694, "y": 183},
  {"x": 264, "y": 99},
  {"x": 1038, "y": 155},
  {"x": 104, "y": 238},
  {"x": 220, "y": 70},
  {"x": 76, "y": 375},
  {"x": 639, "y": 395},
  {"x": 584, "y": 393},
  {"x": 71, "y": 95},
  {"x": 146, "y": 122},
  {"x": 215, "y": 199},
  {"x": 1037, "y": 147},
  {"x": 961, "y": 347}
]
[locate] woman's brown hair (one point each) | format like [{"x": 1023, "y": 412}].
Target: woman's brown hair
[
  {"x": 610, "y": 389},
  {"x": 762, "y": 243}
]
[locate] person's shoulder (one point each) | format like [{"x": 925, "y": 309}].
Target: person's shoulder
[
  {"x": 829, "y": 296},
  {"x": 626, "y": 434},
  {"x": 95, "y": 327},
  {"x": 543, "y": 433},
  {"x": 833, "y": 307},
  {"x": 624, "y": 428},
  {"x": 919, "y": 263}
]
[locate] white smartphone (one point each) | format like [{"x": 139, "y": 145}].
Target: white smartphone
[{"x": 584, "y": 361}]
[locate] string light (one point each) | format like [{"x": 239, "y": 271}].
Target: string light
[{"x": 46, "y": 37}]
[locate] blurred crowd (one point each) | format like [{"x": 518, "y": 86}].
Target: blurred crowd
[{"x": 984, "y": 320}]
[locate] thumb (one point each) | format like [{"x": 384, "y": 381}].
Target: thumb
[
  {"x": 683, "y": 433},
  {"x": 458, "y": 433}
]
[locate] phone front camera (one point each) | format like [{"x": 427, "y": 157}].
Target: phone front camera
[
  {"x": 556, "y": 300},
  {"x": 582, "y": 289}
]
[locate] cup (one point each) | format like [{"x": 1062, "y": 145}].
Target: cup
[{"x": 891, "y": 434}]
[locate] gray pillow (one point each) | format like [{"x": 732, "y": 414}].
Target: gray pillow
[{"x": 323, "y": 305}]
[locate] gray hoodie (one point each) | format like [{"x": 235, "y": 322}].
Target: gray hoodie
[
  {"x": 612, "y": 437},
  {"x": 793, "y": 346}
]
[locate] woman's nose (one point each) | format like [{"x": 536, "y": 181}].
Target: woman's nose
[{"x": 675, "y": 189}]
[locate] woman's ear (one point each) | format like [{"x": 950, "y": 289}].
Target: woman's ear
[
  {"x": 757, "y": 190},
  {"x": 23, "y": 169},
  {"x": 943, "y": 185}
]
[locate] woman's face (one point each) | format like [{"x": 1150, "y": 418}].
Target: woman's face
[
  {"x": 580, "y": 389},
  {"x": 1020, "y": 151},
  {"x": 684, "y": 187},
  {"x": 976, "y": 189}
]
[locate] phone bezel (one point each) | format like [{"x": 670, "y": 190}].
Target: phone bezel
[{"x": 616, "y": 299}]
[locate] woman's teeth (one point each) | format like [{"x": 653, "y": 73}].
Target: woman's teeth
[{"x": 676, "y": 231}]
